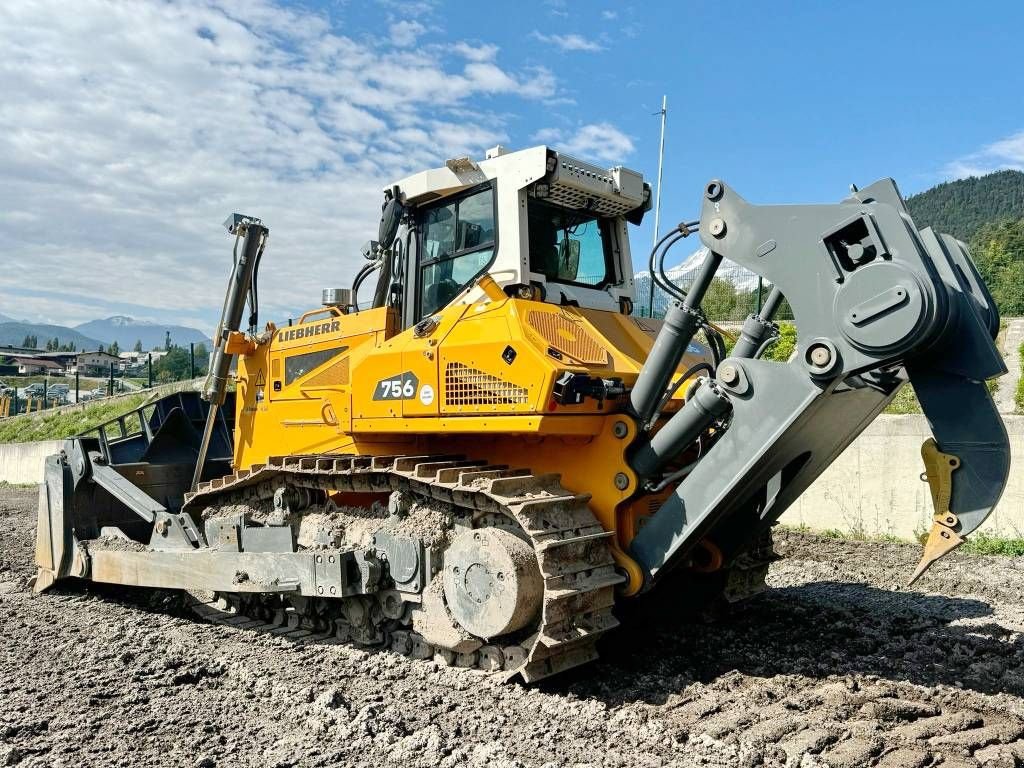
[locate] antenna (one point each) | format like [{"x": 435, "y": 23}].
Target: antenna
[{"x": 657, "y": 197}]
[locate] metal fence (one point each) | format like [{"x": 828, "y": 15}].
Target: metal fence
[{"x": 732, "y": 296}]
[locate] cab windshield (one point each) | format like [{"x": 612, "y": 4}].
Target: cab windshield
[{"x": 568, "y": 246}]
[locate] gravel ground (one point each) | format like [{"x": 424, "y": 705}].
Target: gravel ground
[{"x": 833, "y": 667}]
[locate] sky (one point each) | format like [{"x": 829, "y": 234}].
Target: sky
[{"x": 130, "y": 130}]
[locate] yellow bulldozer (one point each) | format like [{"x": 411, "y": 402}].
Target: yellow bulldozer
[{"x": 484, "y": 458}]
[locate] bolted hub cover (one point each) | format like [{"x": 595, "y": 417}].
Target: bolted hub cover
[{"x": 492, "y": 583}]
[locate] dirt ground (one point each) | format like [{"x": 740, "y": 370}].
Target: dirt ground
[{"x": 833, "y": 667}]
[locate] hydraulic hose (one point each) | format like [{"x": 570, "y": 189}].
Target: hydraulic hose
[
  {"x": 681, "y": 322},
  {"x": 679, "y": 382},
  {"x": 655, "y": 263},
  {"x": 361, "y": 275}
]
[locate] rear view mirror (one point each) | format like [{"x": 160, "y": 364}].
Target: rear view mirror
[
  {"x": 568, "y": 259},
  {"x": 390, "y": 218}
]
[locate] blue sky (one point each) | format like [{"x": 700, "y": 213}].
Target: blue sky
[{"x": 130, "y": 129}]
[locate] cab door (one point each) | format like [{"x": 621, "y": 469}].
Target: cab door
[{"x": 456, "y": 243}]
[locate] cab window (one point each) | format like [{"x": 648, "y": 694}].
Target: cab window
[
  {"x": 457, "y": 245},
  {"x": 568, "y": 246}
]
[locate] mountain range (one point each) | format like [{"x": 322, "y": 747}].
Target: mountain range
[
  {"x": 13, "y": 334},
  {"x": 126, "y": 331}
]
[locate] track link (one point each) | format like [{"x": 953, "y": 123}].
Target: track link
[{"x": 570, "y": 545}]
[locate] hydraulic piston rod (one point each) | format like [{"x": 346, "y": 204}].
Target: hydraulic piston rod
[
  {"x": 681, "y": 322},
  {"x": 708, "y": 403},
  {"x": 253, "y": 235},
  {"x": 757, "y": 328}
]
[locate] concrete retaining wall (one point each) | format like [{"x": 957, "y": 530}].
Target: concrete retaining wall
[
  {"x": 874, "y": 487},
  {"x": 23, "y": 462}
]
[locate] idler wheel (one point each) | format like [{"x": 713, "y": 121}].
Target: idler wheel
[{"x": 492, "y": 583}]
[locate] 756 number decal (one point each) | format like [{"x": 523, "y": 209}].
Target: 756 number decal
[{"x": 401, "y": 387}]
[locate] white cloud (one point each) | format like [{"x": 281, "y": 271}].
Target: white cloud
[
  {"x": 570, "y": 42},
  {"x": 483, "y": 52},
  {"x": 596, "y": 141},
  {"x": 1006, "y": 153},
  {"x": 609, "y": 15},
  {"x": 129, "y": 131},
  {"x": 404, "y": 33}
]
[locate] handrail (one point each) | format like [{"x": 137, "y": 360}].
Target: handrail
[{"x": 314, "y": 312}]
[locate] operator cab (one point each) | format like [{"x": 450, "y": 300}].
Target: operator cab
[{"x": 544, "y": 225}]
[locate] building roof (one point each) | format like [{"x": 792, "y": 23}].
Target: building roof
[{"x": 37, "y": 361}]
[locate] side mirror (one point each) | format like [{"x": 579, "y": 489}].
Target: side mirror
[{"x": 389, "y": 220}]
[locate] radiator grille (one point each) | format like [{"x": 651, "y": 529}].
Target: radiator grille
[
  {"x": 571, "y": 197},
  {"x": 468, "y": 386},
  {"x": 569, "y": 336},
  {"x": 332, "y": 376}
]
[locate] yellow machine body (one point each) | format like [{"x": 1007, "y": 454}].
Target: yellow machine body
[{"x": 477, "y": 381}]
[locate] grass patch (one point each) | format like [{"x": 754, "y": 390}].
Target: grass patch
[
  {"x": 5, "y": 485},
  {"x": 85, "y": 383},
  {"x": 978, "y": 543},
  {"x": 1018, "y": 396},
  {"x": 905, "y": 401},
  {"x": 981, "y": 543},
  {"x": 67, "y": 423}
]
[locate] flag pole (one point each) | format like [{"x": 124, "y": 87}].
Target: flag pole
[{"x": 657, "y": 198}]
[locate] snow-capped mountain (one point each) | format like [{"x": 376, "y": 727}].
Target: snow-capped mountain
[
  {"x": 742, "y": 280},
  {"x": 127, "y": 330}
]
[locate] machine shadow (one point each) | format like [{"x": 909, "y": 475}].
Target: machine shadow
[{"x": 819, "y": 630}]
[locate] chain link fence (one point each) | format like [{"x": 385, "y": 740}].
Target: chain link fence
[{"x": 732, "y": 296}]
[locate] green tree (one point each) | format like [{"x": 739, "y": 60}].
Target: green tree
[
  {"x": 115, "y": 350},
  {"x": 138, "y": 346},
  {"x": 998, "y": 250},
  {"x": 202, "y": 358},
  {"x": 720, "y": 300},
  {"x": 962, "y": 207},
  {"x": 168, "y": 344},
  {"x": 174, "y": 366}
]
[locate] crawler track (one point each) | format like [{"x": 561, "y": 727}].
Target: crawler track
[{"x": 570, "y": 545}]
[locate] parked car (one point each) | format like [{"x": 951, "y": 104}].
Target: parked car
[
  {"x": 93, "y": 394},
  {"x": 35, "y": 390}
]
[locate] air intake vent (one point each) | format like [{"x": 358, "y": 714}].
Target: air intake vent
[
  {"x": 569, "y": 336},
  {"x": 468, "y": 386},
  {"x": 332, "y": 376}
]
